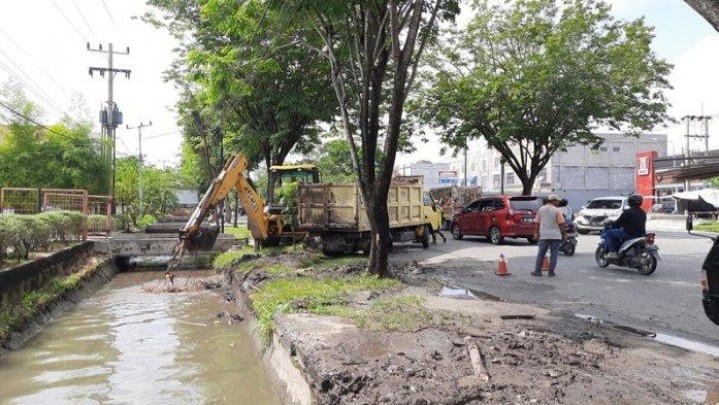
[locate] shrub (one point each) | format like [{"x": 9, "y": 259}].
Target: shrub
[
  {"x": 10, "y": 234},
  {"x": 37, "y": 233},
  {"x": 145, "y": 221}
]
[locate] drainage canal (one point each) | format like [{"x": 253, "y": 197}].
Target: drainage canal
[{"x": 134, "y": 345}]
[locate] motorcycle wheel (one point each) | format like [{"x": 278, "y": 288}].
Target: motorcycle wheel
[
  {"x": 599, "y": 257},
  {"x": 649, "y": 267},
  {"x": 569, "y": 250}
]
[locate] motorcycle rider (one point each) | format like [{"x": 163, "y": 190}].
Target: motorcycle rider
[{"x": 631, "y": 224}]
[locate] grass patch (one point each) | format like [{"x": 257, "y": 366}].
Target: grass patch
[
  {"x": 707, "y": 227},
  {"x": 239, "y": 232},
  {"x": 14, "y": 316},
  {"x": 316, "y": 296},
  {"x": 404, "y": 313},
  {"x": 322, "y": 262},
  {"x": 227, "y": 260}
]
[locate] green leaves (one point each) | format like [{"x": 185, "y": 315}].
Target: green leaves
[{"x": 533, "y": 77}]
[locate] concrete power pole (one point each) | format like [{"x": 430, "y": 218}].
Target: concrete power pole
[
  {"x": 139, "y": 169},
  {"x": 111, "y": 116}
]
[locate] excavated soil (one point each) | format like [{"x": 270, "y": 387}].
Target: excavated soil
[{"x": 527, "y": 355}]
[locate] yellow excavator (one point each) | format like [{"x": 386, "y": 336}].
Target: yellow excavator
[{"x": 264, "y": 218}]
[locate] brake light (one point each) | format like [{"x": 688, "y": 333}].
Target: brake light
[
  {"x": 650, "y": 238},
  {"x": 704, "y": 283}
]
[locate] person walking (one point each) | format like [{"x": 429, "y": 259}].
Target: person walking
[{"x": 549, "y": 230}]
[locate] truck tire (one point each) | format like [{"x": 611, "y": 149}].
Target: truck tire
[{"x": 425, "y": 237}]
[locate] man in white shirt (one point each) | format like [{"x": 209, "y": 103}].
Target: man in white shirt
[{"x": 550, "y": 230}]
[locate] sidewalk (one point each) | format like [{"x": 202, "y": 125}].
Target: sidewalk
[{"x": 664, "y": 222}]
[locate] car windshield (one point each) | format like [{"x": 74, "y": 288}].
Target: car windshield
[
  {"x": 605, "y": 204},
  {"x": 525, "y": 203}
]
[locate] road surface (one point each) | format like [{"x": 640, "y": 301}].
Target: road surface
[{"x": 668, "y": 301}]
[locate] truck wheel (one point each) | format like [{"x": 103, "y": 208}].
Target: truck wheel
[
  {"x": 495, "y": 236},
  {"x": 270, "y": 242},
  {"x": 456, "y": 232},
  {"x": 425, "y": 238}
]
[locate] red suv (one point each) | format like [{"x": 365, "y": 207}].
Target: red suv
[{"x": 498, "y": 217}]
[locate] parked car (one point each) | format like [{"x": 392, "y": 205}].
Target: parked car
[
  {"x": 666, "y": 207},
  {"x": 497, "y": 217},
  {"x": 597, "y": 212}
]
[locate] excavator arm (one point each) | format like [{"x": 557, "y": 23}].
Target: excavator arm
[{"x": 192, "y": 233}]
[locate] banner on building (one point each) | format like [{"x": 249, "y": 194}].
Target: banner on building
[{"x": 447, "y": 177}]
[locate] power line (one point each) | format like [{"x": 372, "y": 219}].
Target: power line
[
  {"x": 109, "y": 14},
  {"x": 69, "y": 21},
  {"x": 163, "y": 134},
  {"x": 27, "y": 86},
  {"x": 54, "y": 81},
  {"x": 23, "y": 116},
  {"x": 83, "y": 18}
]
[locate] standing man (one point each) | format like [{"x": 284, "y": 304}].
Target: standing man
[{"x": 550, "y": 230}]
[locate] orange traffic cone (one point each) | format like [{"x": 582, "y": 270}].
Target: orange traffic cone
[
  {"x": 502, "y": 269},
  {"x": 545, "y": 264}
]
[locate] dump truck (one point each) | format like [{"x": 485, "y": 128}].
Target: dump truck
[
  {"x": 337, "y": 215},
  {"x": 452, "y": 199}
]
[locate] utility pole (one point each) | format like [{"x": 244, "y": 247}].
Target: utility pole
[
  {"x": 139, "y": 169},
  {"x": 111, "y": 116},
  {"x": 687, "y": 153}
]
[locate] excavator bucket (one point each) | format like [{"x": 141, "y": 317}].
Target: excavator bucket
[{"x": 205, "y": 238}]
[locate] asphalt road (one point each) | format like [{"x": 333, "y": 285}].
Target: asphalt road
[{"x": 668, "y": 301}]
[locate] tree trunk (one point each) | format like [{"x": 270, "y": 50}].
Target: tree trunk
[
  {"x": 379, "y": 252},
  {"x": 708, "y": 9}
]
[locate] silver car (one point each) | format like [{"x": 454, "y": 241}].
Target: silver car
[{"x": 597, "y": 212}]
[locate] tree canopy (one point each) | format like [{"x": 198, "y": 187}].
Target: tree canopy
[
  {"x": 533, "y": 77},
  {"x": 241, "y": 73}
]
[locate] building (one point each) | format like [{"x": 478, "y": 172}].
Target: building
[
  {"x": 579, "y": 174},
  {"x": 435, "y": 174}
]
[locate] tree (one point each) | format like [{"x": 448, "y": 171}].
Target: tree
[
  {"x": 242, "y": 75},
  {"x": 374, "y": 49},
  {"x": 708, "y": 9},
  {"x": 65, "y": 155},
  {"x": 536, "y": 77},
  {"x": 334, "y": 161}
]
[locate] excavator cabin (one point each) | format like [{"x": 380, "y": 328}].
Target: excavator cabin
[{"x": 265, "y": 219}]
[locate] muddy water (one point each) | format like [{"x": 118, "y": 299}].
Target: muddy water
[{"x": 126, "y": 346}]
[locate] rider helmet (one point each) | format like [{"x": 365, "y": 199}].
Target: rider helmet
[{"x": 635, "y": 200}]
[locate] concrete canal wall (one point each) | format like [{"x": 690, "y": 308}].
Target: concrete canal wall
[{"x": 18, "y": 280}]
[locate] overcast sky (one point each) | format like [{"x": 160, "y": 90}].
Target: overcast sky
[{"x": 43, "y": 45}]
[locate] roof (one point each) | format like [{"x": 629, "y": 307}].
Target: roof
[
  {"x": 709, "y": 195},
  {"x": 294, "y": 167}
]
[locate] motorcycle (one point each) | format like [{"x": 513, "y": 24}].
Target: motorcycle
[
  {"x": 638, "y": 253},
  {"x": 570, "y": 244},
  {"x": 710, "y": 275}
]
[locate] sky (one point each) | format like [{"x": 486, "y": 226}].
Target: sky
[{"x": 43, "y": 45}]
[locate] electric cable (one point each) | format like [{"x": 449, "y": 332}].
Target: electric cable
[
  {"x": 84, "y": 38},
  {"x": 23, "y": 116}
]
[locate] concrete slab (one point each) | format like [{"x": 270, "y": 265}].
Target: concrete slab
[{"x": 139, "y": 244}]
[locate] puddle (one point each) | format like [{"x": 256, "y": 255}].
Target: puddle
[
  {"x": 687, "y": 344},
  {"x": 464, "y": 292},
  {"x": 633, "y": 331},
  {"x": 456, "y": 292},
  {"x": 697, "y": 396}
]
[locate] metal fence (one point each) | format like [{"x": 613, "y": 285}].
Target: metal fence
[{"x": 27, "y": 201}]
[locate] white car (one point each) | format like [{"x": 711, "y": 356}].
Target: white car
[{"x": 597, "y": 212}]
